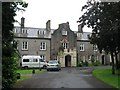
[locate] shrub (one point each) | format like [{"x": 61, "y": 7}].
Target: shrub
[
  {"x": 85, "y": 63},
  {"x": 8, "y": 72},
  {"x": 97, "y": 63},
  {"x": 80, "y": 64}
]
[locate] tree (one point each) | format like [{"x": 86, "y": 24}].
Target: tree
[
  {"x": 103, "y": 18},
  {"x": 8, "y": 45}
]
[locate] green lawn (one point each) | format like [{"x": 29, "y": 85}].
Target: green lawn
[
  {"x": 25, "y": 74},
  {"x": 29, "y": 71},
  {"x": 106, "y": 76}
]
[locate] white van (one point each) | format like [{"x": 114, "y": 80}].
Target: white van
[{"x": 32, "y": 61}]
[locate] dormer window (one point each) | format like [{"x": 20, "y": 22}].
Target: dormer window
[
  {"x": 41, "y": 32},
  {"x": 24, "y": 31},
  {"x": 64, "y": 32},
  {"x": 79, "y": 34}
]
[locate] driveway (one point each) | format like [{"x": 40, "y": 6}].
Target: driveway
[{"x": 66, "y": 78}]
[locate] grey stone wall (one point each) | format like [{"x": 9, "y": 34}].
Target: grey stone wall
[
  {"x": 57, "y": 37},
  {"x": 88, "y": 51},
  {"x": 34, "y": 46}
]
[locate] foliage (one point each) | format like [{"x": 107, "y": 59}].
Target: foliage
[
  {"x": 61, "y": 48},
  {"x": 96, "y": 63},
  {"x": 8, "y": 71},
  {"x": 103, "y": 18},
  {"x": 81, "y": 63},
  {"x": 8, "y": 45}
]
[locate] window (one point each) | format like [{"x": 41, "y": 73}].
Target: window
[
  {"x": 43, "y": 57},
  {"x": 43, "y": 46},
  {"x": 81, "y": 47},
  {"x": 24, "y": 31},
  {"x": 64, "y": 32},
  {"x": 65, "y": 45},
  {"x": 95, "y": 47},
  {"x": 24, "y": 45},
  {"x": 41, "y": 32},
  {"x": 25, "y": 60},
  {"x": 79, "y": 35},
  {"x": 35, "y": 60},
  {"x": 89, "y": 57},
  {"x": 15, "y": 30}
]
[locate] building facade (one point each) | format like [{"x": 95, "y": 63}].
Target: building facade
[{"x": 63, "y": 44}]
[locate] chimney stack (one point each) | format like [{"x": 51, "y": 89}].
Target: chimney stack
[
  {"x": 22, "y": 22},
  {"x": 48, "y": 25},
  {"x": 80, "y": 28}
]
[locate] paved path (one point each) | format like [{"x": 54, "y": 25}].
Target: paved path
[{"x": 66, "y": 78}]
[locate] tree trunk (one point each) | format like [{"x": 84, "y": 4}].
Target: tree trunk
[
  {"x": 113, "y": 64},
  {"x": 117, "y": 62}
]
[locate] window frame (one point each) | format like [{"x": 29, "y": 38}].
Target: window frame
[
  {"x": 82, "y": 47},
  {"x": 64, "y": 32},
  {"x": 95, "y": 48},
  {"x": 65, "y": 45},
  {"x": 42, "y": 45},
  {"x": 24, "y": 45},
  {"x": 43, "y": 57}
]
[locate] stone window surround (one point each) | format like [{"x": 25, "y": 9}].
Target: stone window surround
[
  {"x": 42, "y": 45},
  {"x": 95, "y": 48},
  {"x": 24, "y": 45},
  {"x": 82, "y": 47},
  {"x": 43, "y": 57}
]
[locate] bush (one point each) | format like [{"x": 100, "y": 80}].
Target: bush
[
  {"x": 81, "y": 63},
  {"x": 8, "y": 72},
  {"x": 97, "y": 63},
  {"x": 85, "y": 63}
]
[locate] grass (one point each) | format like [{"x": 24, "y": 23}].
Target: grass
[
  {"x": 29, "y": 71},
  {"x": 106, "y": 76},
  {"x": 25, "y": 74}
]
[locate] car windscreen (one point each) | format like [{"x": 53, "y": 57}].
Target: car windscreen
[{"x": 52, "y": 62}]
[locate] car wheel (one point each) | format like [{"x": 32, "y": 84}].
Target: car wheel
[
  {"x": 25, "y": 67},
  {"x": 47, "y": 69},
  {"x": 44, "y": 67}
]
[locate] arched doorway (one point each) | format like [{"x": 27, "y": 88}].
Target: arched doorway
[
  {"x": 103, "y": 59},
  {"x": 67, "y": 61}
]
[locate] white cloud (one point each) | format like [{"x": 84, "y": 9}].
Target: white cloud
[{"x": 58, "y": 11}]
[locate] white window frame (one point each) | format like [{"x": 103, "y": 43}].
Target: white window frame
[
  {"x": 65, "y": 45},
  {"x": 24, "y": 31},
  {"x": 82, "y": 47},
  {"x": 15, "y": 30},
  {"x": 41, "y": 32},
  {"x": 24, "y": 45},
  {"x": 64, "y": 32},
  {"x": 42, "y": 45},
  {"x": 43, "y": 57},
  {"x": 95, "y": 48}
]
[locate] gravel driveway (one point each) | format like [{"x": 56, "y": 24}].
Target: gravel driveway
[{"x": 66, "y": 78}]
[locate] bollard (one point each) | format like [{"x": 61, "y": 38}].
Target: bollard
[
  {"x": 33, "y": 71},
  {"x": 40, "y": 69}
]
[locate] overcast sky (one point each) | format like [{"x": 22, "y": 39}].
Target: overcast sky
[{"x": 39, "y": 12}]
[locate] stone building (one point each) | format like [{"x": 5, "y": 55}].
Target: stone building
[{"x": 63, "y": 44}]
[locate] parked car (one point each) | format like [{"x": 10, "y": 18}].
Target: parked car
[{"x": 53, "y": 65}]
